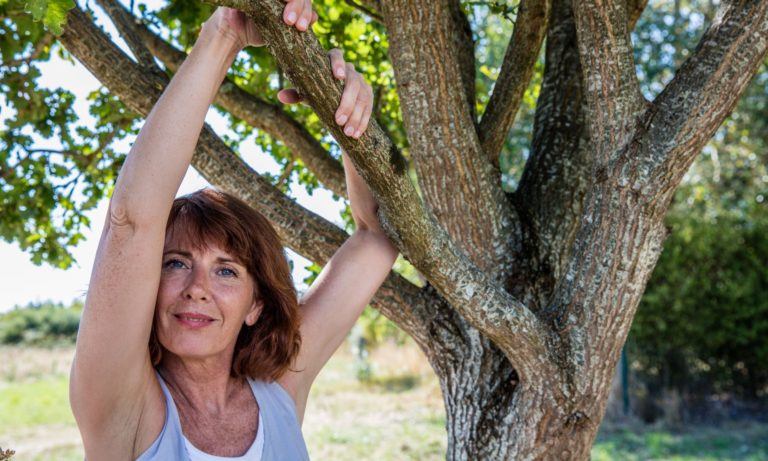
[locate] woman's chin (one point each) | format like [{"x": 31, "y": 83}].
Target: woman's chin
[{"x": 193, "y": 350}]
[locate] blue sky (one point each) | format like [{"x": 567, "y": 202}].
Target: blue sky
[{"x": 22, "y": 282}]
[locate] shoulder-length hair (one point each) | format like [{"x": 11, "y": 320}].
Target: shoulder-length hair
[{"x": 267, "y": 349}]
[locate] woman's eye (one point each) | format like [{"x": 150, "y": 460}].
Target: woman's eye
[
  {"x": 174, "y": 264},
  {"x": 227, "y": 272}
]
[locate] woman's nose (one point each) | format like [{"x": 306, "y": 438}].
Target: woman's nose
[{"x": 197, "y": 286}]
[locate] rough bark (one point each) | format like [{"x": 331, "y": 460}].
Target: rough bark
[
  {"x": 610, "y": 82},
  {"x": 514, "y": 76},
  {"x": 444, "y": 144},
  {"x": 124, "y": 22},
  {"x": 465, "y": 52},
  {"x": 634, "y": 10},
  {"x": 557, "y": 173},
  {"x": 621, "y": 233}
]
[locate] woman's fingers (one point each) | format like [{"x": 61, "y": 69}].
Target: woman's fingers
[
  {"x": 348, "y": 97},
  {"x": 337, "y": 63},
  {"x": 306, "y": 16},
  {"x": 358, "y": 122},
  {"x": 356, "y": 103},
  {"x": 354, "y": 111},
  {"x": 351, "y": 128},
  {"x": 299, "y": 13},
  {"x": 364, "y": 121}
]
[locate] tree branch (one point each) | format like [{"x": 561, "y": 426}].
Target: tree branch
[
  {"x": 465, "y": 52},
  {"x": 622, "y": 231},
  {"x": 471, "y": 292},
  {"x": 124, "y": 21},
  {"x": 303, "y": 231},
  {"x": 703, "y": 92},
  {"x": 370, "y": 7},
  {"x": 612, "y": 90},
  {"x": 43, "y": 42},
  {"x": 557, "y": 174},
  {"x": 516, "y": 71},
  {"x": 442, "y": 134},
  {"x": 259, "y": 114},
  {"x": 634, "y": 10}
]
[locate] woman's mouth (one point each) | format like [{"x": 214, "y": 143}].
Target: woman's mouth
[{"x": 193, "y": 319}]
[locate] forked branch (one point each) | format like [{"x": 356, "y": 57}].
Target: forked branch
[
  {"x": 610, "y": 80},
  {"x": 516, "y": 71},
  {"x": 704, "y": 90}
]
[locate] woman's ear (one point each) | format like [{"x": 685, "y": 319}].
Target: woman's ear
[{"x": 255, "y": 312}]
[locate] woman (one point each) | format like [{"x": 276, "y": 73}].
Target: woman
[{"x": 232, "y": 353}]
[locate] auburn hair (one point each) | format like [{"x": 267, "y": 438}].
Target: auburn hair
[{"x": 266, "y": 349}]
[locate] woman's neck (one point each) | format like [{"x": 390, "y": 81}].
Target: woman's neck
[{"x": 201, "y": 385}]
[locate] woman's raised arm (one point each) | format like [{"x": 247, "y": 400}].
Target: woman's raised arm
[
  {"x": 112, "y": 386},
  {"x": 350, "y": 279}
]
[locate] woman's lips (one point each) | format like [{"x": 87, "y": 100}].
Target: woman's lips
[{"x": 193, "y": 319}]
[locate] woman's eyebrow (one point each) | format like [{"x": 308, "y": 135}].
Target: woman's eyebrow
[
  {"x": 229, "y": 260},
  {"x": 186, "y": 254}
]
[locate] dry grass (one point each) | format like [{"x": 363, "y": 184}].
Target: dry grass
[
  {"x": 396, "y": 415},
  {"x": 33, "y": 363}
]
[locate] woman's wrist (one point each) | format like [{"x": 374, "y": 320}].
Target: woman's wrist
[{"x": 220, "y": 40}]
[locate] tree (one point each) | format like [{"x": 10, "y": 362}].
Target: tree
[{"x": 529, "y": 294}]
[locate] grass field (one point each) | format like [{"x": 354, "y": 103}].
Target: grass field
[{"x": 396, "y": 415}]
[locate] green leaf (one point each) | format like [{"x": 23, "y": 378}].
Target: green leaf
[
  {"x": 56, "y": 16},
  {"x": 53, "y": 13},
  {"x": 36, "y": 8}
]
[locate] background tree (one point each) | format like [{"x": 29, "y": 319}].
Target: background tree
[{"x": 531, "y": 281}]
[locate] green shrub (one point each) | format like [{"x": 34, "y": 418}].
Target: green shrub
[
  {"x": 40, "y": 324},
  {"x": 702, "y": 325}
]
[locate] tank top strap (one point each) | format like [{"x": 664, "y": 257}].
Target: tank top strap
[
  {"x": 283, "y": 439},
  {"x": 170, "y": 443}
]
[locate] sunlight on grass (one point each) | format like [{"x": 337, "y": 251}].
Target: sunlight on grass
[{"x": 35, "y": 403}]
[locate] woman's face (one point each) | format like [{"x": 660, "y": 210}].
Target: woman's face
[{"x": 205, "y": 296}]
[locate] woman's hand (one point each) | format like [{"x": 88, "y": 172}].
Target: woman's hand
[
  {"x": 238, "y": 26},
  {"x": 356, "y": 104}
]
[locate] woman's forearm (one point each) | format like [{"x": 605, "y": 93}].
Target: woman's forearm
[
  {"x": 361, "y": 201},
  {"x": 163, "y": 149}
]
